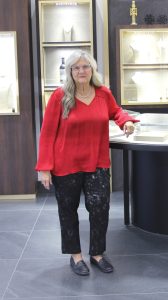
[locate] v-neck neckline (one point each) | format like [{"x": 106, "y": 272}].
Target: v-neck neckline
[{"x": 85, "y": 102}]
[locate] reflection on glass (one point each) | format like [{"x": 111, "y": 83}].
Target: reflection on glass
[
  {"x": 9, "y": 103},
  {"x": 56, "y": 19}
]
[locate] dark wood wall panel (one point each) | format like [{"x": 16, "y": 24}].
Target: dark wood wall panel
[
  {"x": 118, "y": 11},
  {"x": 17, "y": 142}
]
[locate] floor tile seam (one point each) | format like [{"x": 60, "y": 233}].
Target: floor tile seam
[
  {"x": 21, "y": 255},
  {"x": 57, "y": 256},
  {"x": 28, "y": 231},
  {"x": 139, "y": 254},
  {"x": 15, "y": 231},
  {"x": 65, "y": 256},
  {"x": 91, "y": 295},
  {"x": 112, "y": 206},
  {"x": 84, "y": 208},
  {"x": 49, "y": 209},
  {"x": 116, "y": 229},
  {"x": 19, "y": 210},
  {"x": 56, "y": 229},
  {"x": 10, "y": 259}
]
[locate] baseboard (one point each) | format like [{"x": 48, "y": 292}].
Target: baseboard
[{"x": 18, "y": 197}]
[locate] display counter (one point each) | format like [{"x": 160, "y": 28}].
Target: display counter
[{"x": 146, "y": 152}]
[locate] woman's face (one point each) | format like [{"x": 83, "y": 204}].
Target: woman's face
[{"x": 81, "y": 72}]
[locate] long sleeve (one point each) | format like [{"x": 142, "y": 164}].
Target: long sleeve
[
  {"x": 116, "y": 113},
  {"x": 48, "y": 132}
]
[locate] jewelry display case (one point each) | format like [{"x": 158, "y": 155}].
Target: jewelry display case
[
  {"x": 152, "y": 129},
  {"x": 63, "y": 26},
  {"x": 146, "y": 151},
  {"x": 9, "y": 95},
  {"x": 142, "y": 70}
]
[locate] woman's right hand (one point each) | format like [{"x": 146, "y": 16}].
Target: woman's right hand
[{"x": 46, "y": 179}]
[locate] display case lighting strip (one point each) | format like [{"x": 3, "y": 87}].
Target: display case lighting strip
[{"x": 66, "y": 3}]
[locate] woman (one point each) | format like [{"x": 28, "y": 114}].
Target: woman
[{"x": 74, "y": 156}]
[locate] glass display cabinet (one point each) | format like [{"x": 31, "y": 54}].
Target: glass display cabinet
[
  {"x": 64, "y": 26},
  {"x": 148, "y": 192},
  {"x": 9, "y": 92},
  {"x": 143, "y": 65}
]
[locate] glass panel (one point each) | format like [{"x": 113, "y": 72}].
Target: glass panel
[
  {"x": 145, "y": 47},
  {"x": 9, "y": 98},
  {"x": 144, "y": 66},
  {"x": 52, "y": 61},
  {"x": 66, "y": 23},
  {"x": 145, "y": 86}
]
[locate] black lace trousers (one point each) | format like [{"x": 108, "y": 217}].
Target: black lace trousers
[{"x": 96, "y": 188}]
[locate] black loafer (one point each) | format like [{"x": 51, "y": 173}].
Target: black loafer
[
  {"x": 102, "y": 264},
  {"x": 79, "y": 268}
]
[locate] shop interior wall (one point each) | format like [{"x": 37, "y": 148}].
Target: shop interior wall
[
  {"x": 119, "y": 15},
  {"x": 17, "y": 143},
  {"x": 36, "y": 61},
  {"x": 99, "y": 31}
]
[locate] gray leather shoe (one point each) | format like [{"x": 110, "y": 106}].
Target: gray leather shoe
[
  {"x": 79, "y": 268},
  {"x": 102, "y": 264}
]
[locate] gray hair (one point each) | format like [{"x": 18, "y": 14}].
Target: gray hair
[{"x": 69, "y": 87}]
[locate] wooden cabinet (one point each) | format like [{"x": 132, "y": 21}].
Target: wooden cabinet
[
  {"x": 17, "y": 145},
  {"x": 63, "y": 27},
  {"x": 142, "y": 56}
]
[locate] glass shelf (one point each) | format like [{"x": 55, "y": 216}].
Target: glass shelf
[
  {"x": 52, "y": 59},
  {"x": 143, "y": 65},
  {"x": 67, "y": 44},
  {"x": 61, "y": 22},
  {"x": 64, "y": 27},
  {"x": 9, "y": 91},
  {"x": 145, "y": 86}
]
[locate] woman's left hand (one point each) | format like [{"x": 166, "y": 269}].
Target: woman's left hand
[{"x": 128, "y": 128}]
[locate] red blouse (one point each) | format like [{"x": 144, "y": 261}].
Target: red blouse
[{"x": 81, "y": 141}]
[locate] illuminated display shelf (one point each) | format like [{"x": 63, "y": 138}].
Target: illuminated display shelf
[
  {"x": 142, "y": 72},
  {"x": 64, "y": 26},
  {"x": 9, "y": 89}
]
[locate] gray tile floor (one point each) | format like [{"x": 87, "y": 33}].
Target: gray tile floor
[{"x": 32, "y": 266}]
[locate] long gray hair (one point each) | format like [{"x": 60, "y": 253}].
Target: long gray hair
[{"x": 69, "y": 87}]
